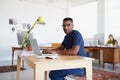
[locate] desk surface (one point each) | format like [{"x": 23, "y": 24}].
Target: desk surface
[
  {"x": 99, "y": 47},
  {"x": 35, "y": 59}
]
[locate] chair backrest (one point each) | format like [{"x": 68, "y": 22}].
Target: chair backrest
[
  {"x": 56, "y": 45},
  {"x": 21, "y": 36},
  {"x": 118, "y": 40}
]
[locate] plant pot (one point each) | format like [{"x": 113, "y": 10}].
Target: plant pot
[{"x": 29, "y": 47}]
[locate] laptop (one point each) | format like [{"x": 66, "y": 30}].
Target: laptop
[{"x": 37, "y": 51}]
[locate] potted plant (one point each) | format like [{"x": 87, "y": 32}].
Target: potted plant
[{"x": 27, "y": 44}]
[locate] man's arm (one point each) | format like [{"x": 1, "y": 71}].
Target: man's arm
[
  {"x": 106, "y": 44},
  {"x": 60, "y": 48},
  {"x": 73, "y": 51}
]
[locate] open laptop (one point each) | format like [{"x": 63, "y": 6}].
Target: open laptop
[{"x": 36, "y": 49}]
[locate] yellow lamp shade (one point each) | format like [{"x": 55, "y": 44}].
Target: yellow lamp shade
[{"x": 40, "y": 20}]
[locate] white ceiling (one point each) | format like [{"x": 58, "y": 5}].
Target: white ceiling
[{"x": 61, "y": 3}]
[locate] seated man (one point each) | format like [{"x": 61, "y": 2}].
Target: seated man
[{"x": 72, "y": 44}]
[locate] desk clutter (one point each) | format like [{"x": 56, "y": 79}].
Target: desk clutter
[
  {"x": 27, "y": 53},
  {"x": 40, "y": 56},
  {"x": 48, "y": 56}
]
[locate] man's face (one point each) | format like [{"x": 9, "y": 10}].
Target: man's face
[{"x": 67, "y": 26}]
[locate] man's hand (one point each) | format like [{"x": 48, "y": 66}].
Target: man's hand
[{"x": 49, "y": 51}]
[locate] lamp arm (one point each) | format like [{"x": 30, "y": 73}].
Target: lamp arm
[
  {"x": 28, "y": 33},
  {"x": 32, "y": 27}
]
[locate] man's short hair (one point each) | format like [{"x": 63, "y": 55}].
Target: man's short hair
[{"x": 68, "y": 18}]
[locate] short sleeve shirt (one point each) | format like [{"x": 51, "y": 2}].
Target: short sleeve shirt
[{"x": 74, "y": 38}]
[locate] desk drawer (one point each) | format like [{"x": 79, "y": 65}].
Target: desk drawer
[{"x": 108, "y": 55}]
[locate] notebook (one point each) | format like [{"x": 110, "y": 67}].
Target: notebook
[{"x": 36, "y": 50}]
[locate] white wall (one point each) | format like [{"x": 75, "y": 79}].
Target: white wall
[
  {"x": 85, "y": 19},
  {"x": 101, "y": 16},
  {"x": 80, "y": 2},
  {"x": 26, "y": 12},
  {"x": 113, "y": 18},
  {"x": 108, "y": 17}
]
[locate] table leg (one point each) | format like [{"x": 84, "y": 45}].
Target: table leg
[
  {"x": 22, "y": 63},
  {"x": 12, "y": 55},
  {"x": 45, "y": 75},
  {"x": 103, "y": 65},
  {"x": 113, "y": 66},
  {"x": 18, "y": 67},
  {"x": 39, "y": 73},
  {"x": 89, "y": 71}
]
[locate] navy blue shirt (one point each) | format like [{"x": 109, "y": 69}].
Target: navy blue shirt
[
  {"x": 74, "y": 38},
  {"x": 71, "y": 39}
]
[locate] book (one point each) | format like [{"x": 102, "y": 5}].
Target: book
[{"x": 48, "y": 56}]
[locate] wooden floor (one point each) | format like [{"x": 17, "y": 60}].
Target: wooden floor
[{"x": 28, "y": 75}]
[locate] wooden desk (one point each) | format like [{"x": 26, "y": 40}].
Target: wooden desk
[
  {"x": 41, "y": 66},
  {"x": 54, "y": 45},
  {"x": 110, "y": 54},
  {"x": 14, "y": 49}
]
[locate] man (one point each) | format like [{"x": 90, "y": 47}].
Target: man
[{"x": 72, "y": 44}]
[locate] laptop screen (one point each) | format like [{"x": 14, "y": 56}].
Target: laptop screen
[{"x": 35, "y": 46}]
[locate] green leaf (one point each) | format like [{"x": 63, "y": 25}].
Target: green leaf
[{"x": 26, "y": 42}]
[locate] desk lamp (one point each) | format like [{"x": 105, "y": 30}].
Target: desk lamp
[{"x": 26, "y": 40}]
